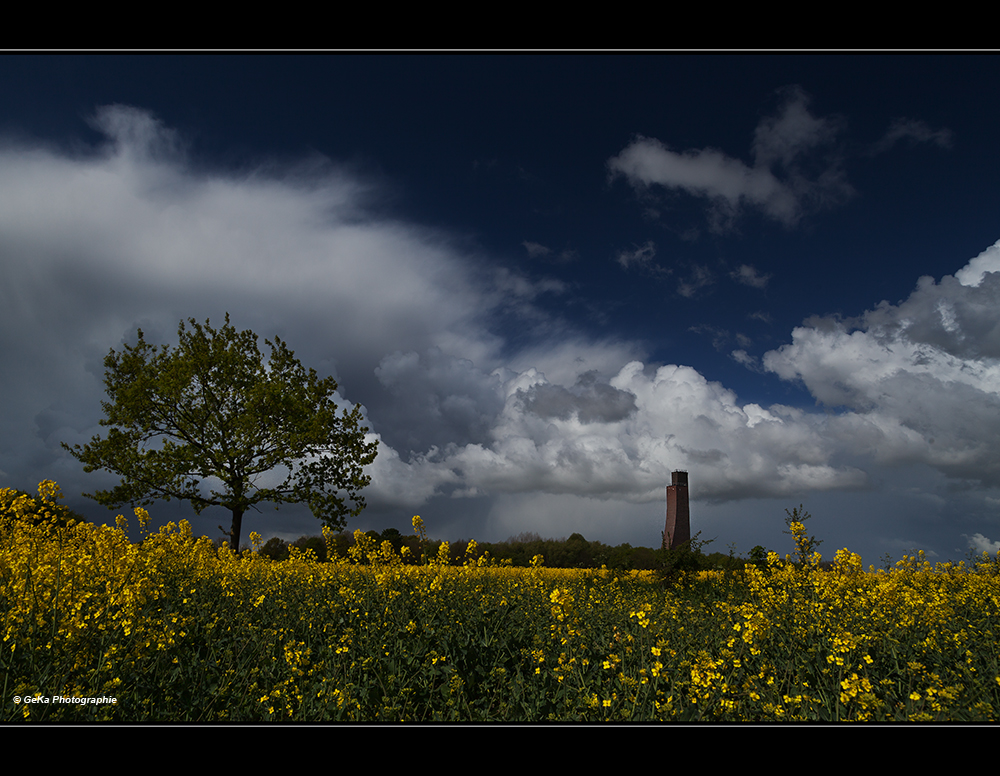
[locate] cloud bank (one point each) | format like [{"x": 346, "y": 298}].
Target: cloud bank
[
  {"x": 921, "y": 379},
  {"x": 917, "y": 382}
]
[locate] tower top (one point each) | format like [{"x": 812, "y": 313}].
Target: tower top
[{"x": 679, "y": 477}]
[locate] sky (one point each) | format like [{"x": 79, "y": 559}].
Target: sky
[{"x": 549, "y": 280}]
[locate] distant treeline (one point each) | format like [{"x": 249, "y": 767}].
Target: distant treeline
[{"x": 574, "y": 552}]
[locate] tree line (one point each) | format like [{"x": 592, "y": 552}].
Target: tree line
[{"x": 574, "y": 552}]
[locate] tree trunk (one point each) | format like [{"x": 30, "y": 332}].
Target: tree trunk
[{"x": 234, "y": 533}]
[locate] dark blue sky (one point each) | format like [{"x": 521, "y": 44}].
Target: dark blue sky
[{"x": 478, "y": 247}]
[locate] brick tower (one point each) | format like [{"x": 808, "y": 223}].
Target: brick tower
[{"x": 678, "y": 528}]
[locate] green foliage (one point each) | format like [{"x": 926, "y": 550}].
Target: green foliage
[
  {"x": 758, "y": 556},
  {"x": 211, "y": 408},
  {"x": 275, "y": 549},
  {"x": 314, "y": 543},
  {"x": 393, "y": 536},
  {"x": 675, "y": 563},
  {"x": 36, "y": 510},
  {"x": 805, "y": 545},
  {"x": 577, "y": 552},
  {"x": 574, "y": 552}
]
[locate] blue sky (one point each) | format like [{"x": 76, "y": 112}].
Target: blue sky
[{"x": 548, "y": 279}]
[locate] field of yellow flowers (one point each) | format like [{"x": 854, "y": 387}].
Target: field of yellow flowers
[{"x": 172, "y": 629}]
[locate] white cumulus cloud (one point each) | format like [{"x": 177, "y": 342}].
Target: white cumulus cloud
[{"x": 921, "y": 379}]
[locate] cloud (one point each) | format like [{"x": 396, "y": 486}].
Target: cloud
[
  {"x": 395, "y": 483},
  {"x": 972, "y": 274},
  {"x": 96, "y": 242},
  {"x": 539, "y": 251},
  {"x": 744, "y": 358},
  {"x": 620, "y": 439},
  {"x": 788, "y": 178},
  {"x": 748, "y": 276},
  {"x": 916, "y": 132},
  {"x": 124, "y": 232},
  {"x": 640, "y": 256},
  {"x": 536, "y": 249},
  {"x": 783, "y": 140},
  {"x": 981, "y": 544},
  {"x": 438, "y": 399},
  {"x": 699, "y": 277},
  {"x": 138, "y": 134},
  {"x": 589, "y": 400},
  {"x": 921, "y": 379},
  {"x": 720, "y": 337}
]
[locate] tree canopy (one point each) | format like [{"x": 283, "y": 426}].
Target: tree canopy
[{"x": 212, "y": 409}]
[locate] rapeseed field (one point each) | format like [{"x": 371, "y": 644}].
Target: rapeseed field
[{"x": 98, "y": 628}]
